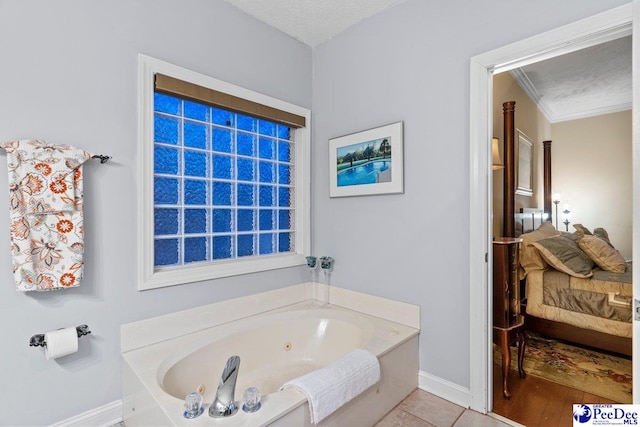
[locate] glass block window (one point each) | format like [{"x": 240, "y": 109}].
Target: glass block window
[
  {"x": 224, "y": 179},
  {"x": 223, "y": 184}
]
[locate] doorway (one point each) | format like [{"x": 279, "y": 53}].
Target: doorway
[{"x": 588, "y": 32}]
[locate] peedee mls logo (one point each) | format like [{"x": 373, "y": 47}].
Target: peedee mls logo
[
  {"x": 581, "y": 413},
  {"x": 605, "y": 415}
]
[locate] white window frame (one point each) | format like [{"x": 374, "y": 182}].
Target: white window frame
[{"x": 149, "y": 276}]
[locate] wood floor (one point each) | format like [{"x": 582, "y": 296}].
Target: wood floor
[{"x": 538, "y": 402}]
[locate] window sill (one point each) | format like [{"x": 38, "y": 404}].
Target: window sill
[{"x": 162, "y": 277}]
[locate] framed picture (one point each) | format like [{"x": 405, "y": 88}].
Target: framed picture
[
  {"x": 367, "y": 162},
  {"x": 524, "y": 176}
]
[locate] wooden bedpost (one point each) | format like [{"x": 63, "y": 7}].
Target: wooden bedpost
[
  {"x": 547, "y": 178},
  {"x": 509, "y": 223}
]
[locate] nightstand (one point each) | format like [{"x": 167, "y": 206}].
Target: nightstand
[{"x": 508, "y": 323}]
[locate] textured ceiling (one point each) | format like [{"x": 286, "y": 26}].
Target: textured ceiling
[
  {"x": 312, "y": 21},
  {"x": 588, "y": 82}
]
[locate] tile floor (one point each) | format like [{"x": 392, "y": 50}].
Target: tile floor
[{"x": 423, "y": 409}]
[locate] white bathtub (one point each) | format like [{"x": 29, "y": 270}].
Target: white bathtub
[{"x": 273, "y": 348}]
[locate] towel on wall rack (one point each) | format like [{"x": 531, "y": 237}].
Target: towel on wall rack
[{"x": 45, "y": 203}]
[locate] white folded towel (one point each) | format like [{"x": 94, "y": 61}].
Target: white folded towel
[{"x": 328, "y": 388}]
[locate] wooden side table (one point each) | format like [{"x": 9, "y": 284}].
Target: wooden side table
[
  {"x": 505, "y": 336},
  {"x": 507, "y": 321}
]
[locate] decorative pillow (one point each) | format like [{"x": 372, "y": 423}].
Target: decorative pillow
[
  {"x": 572, "y": 236},
  {"x": 530, "y": 258},
  {"x": 581, "y": 230},
  {"x": 564, "y": 254},
  {"x": 605, "y": 256},
  {"x": 602, "y": 233}
]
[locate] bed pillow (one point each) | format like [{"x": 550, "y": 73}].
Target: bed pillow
[
  {"x": 564, "y": 254},
  {"x": 581, "y": 230},
  {"x": 573, "y": 236},
  {"x": 606, "y": 257},
  {"x": 530, "y": 258},
  {"x": 602, "y": 233}
]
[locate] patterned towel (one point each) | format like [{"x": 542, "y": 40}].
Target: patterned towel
[{"x": 45, "y": 204}]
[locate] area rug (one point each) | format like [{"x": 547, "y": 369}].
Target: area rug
[{"x": 590, "y": 371}]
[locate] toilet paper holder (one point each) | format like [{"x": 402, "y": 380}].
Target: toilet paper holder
[{"x": 39, "y": 341}]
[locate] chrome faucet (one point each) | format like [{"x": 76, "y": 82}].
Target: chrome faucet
[{"x": 223, "y": 404}]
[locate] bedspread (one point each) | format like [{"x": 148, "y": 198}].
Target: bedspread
[
  {"x": 558, "y": 292},
  {"x": 556, "y": 296}
]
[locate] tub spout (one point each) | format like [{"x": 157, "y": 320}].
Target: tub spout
[{"x": 223, "y": 404}]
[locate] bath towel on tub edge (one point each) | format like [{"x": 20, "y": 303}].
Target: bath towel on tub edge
[{"x": 328, "y": 388}]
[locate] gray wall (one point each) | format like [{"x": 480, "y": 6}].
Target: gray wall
[
  {"x": 411, "y": 63},
  {"x": 68, "y": 74}
]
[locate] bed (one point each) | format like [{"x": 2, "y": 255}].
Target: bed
[
  {"x": 594, "y": 310},
  {"x": 576, "y": 286}
]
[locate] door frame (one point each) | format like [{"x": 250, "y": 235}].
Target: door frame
[{"x": 587, "y": 32}]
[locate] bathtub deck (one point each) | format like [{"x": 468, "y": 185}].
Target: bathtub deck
[{"x": 422, "y": 409}]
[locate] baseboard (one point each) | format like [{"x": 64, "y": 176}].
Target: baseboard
[
  {"x": 104, "y": 416},
  {"x": 444, "y": 389},
  {"x": 504, "y": 420}
]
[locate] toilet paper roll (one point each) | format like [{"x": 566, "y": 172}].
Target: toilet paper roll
[{"x": 60, "y": 342}]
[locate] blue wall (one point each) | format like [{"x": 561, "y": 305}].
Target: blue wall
[
  {"x": 411, "y": 63},
  {"x": 69, "y": 75}
]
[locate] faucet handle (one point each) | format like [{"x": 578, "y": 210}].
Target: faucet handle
[
  {"x": 251, "y": 399},
  {"x": 193, "y": 407}
]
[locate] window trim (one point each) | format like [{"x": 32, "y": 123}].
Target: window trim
[{"x": 148, "y": 276}]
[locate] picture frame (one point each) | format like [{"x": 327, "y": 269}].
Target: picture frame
[
  {"x": 524, "y": 177},
  {"x": 368, "y": 162}
]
